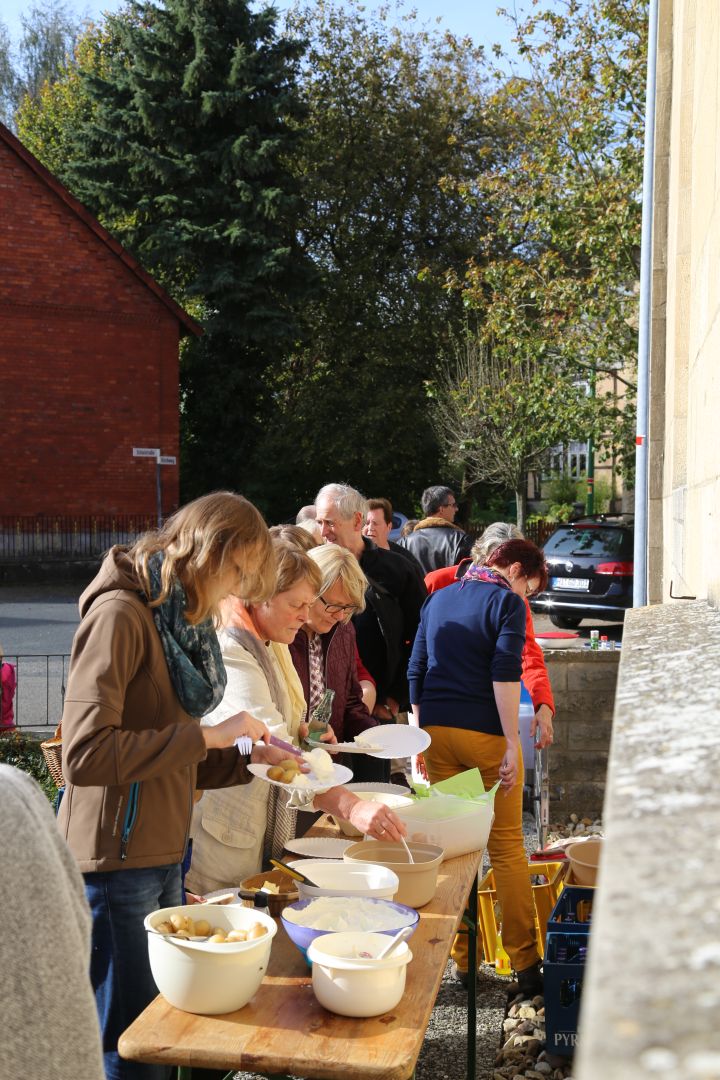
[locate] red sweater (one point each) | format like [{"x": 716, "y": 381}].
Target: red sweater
[{"x": 534, "y": 672}]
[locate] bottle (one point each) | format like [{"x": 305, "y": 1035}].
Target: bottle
[
  {"x": 502, "y": 960},
  {"x": 604, "y": 643},
  {"x": 320, "y": 717},
  {"x": 594, "y": 639}
]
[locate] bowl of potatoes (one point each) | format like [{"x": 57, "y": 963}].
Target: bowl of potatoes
[{"x": 209, "y": 958}]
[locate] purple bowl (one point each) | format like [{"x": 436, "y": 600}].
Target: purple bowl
[{"x": 302, "y": 936}]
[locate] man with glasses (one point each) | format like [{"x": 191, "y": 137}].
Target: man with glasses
[
  {"x": 386, "y": 628},
  {"x": 436, "y": 541}
]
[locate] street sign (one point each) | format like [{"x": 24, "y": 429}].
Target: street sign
[
  {"x": 145, "y": 451},
  {"x": 167, "y": 460}
]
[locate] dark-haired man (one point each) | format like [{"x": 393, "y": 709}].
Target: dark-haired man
[{"x": 436, "y": 541}]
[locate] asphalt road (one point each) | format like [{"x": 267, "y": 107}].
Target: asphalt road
[{"x": 37, "y": 624}]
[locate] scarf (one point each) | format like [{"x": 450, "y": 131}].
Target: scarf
[
  {"x": 192, "y": 653},
  {"x": 277, "y": 666},
  {"x": 485, "y": 573}
]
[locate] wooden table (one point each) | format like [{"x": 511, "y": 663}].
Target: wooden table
[{"x": 283, "y": 1029}]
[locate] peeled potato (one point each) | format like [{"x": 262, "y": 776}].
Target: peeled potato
[
  {"x": 218, "y": 939},
  {"x": 290, "y": 763},
  {"x": 202, "y": 927},
  {"x": 165, "y": 927},
  {"x": 237, "y": 935},
  {"x": 178, "y": 922},
  {"x": 289, "y": 775},
  {"x": 275, "y": 772},
  {"x": 256, "y": 930}
]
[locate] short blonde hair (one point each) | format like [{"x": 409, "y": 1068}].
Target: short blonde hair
[
  {"x": 198, "y": 542},
  {"x": 335, "y": 563}
]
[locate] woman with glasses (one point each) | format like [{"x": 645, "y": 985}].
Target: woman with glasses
[
  {"x": 465, "y": 691},
  {"x": 236, "y": 831},
  {"x": 325, "y": 652}
]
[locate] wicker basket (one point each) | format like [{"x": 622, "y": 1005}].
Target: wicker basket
[{"x": 52, "y": 752}]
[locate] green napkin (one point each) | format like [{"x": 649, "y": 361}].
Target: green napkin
[{"x": 466, "y": 785}]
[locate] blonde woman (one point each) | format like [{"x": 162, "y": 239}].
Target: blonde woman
[
  {"x": 233, "y": 830},
  {"x": 145, "y": 666}
]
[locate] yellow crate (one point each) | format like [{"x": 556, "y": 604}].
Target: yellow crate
[{"x": 544, "y": 895}]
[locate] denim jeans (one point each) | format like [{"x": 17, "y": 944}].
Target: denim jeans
[{"x": 119, "y": 966}]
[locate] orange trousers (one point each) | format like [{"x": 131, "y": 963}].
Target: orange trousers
[{"x": 453, "y": 750}]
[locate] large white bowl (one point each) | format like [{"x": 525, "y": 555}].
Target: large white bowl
[
  {"x": 458, "y": 826},
  {"x": 418, "y": 880},
  {"x": 386, "y": 798},
  {"x": 349, "y": 985},
  {"x": 206, "y": 978},
  {"x": 346, "y": 879}
]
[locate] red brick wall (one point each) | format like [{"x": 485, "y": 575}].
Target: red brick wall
[{"x": 88, "y": 363}]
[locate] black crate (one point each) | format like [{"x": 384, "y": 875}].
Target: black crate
[
  {"x": 564, "y": 914},
  {"x": 563, "y": 991}
]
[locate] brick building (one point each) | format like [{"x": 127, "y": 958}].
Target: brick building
[{"x": 88, "y": 356}]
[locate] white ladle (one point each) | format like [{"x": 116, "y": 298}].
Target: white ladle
[
  {"x": 401, "y": 935},
  {"x": 409, "y": 852}
]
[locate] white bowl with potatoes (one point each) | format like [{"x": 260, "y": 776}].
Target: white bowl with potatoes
[{"x": 209, "y": 958}]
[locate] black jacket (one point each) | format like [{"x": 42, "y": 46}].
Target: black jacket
[
  {"x": 436, "y": 543},
  {"x": 386, "y": 629}
]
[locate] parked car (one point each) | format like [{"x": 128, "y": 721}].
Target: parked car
[
  {"x": 590, "y": 568},
  {"x": 398, "y": 520}
]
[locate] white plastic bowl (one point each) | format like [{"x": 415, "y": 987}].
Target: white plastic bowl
[
  {"x": 458, "y": 826},
  {"x": 206, "y": 978},
  {"x": 418, "y": 880},
  {"x": 336, "y": 878},
  {"x": 387, "y": 798},
  {"x": 349, "y": 985}
]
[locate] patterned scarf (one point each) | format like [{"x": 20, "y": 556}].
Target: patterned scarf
[
  {"x": 485, "y": 573},
  {"x": 192, "y": 653}
]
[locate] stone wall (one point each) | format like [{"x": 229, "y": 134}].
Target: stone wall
[{"x": 584, "y": 684}]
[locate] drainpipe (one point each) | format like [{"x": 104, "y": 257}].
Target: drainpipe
[{"x": 640, "y": 585}]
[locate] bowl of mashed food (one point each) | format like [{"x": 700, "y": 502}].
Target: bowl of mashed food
[{"x": 307, "y": 920}]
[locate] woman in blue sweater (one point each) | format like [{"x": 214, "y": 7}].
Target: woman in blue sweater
[{"x": 464, "y": 678}]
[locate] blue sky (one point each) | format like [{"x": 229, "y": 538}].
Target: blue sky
[{"x": 478, "y": 18}]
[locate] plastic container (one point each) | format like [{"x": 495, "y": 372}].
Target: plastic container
[
  {"x": 335, "y": 878},
  {"x": 545, "y": 894},
  {"x": 303, "y": 936},
  {"x": 387, "y": 798},
  {"x": 572, "y": 913},
  {"x": 418, "y": 880},
  {"x": 527, "y": 741},
  {"x": 584, "y": 857},
  {"x": 563, "y": 972},
  {"x": 458, "y": 826},
  {"x": 202, "y": 977},
  {"x": 350, "y": 985}
]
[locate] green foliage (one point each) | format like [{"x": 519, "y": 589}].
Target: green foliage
[
  {"x": 189, "y": 115},
  {"x": 389, "y": 111},
  {"x": 556, "y": 278},
  {"x": 562, "y": 488},
  {"x": 23, "y": 752},
  {"x": 50, "y": 32}
]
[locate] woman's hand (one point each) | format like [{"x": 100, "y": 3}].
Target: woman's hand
[
  {"x": 224, "y": 734},
  {"x": 374, "y": 819},
  {"x": 509, "y": 768},
  {"x": 421, "y": 767},
  {"x": 273, "y": 755},
  {"x": 541, "y": 727},
  {"x": 329, "y": 736}
]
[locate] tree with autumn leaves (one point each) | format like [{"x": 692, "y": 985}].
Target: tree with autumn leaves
[{"x": 553, "y": 288}]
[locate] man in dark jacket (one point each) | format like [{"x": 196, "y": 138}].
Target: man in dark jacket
[
  {"x": 386, "y": 629},
  {"x": 436, "y": 541}
]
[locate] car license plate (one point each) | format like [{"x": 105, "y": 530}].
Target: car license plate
[{"x": 579, "y": 584}]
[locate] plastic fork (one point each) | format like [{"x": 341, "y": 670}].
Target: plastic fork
[{"x": 244, "y": 744}]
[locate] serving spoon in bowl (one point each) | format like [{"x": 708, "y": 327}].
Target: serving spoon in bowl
[{"x": 402, "y": 935}]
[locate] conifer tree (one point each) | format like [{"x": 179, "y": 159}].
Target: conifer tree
[{"x": 183, "y": 156}]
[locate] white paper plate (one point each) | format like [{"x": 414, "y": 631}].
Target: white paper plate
[
  {"x": 341, "y": 775},
  {"x": 319, "y": 847},
  {"x": 398, "y": 740},
  {"x": 349, "y": 748}
]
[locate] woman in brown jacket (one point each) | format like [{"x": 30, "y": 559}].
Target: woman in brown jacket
[{"x": 145, "y": 667}]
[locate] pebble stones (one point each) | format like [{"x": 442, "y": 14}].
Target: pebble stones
[{"x": 522, "y": 1055}]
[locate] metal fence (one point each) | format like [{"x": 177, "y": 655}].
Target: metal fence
[
  {"x": 67, "y": 536},
  {"x": 41, "y": 681}
]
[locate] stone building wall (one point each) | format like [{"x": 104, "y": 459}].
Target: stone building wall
[{"x": 584, "y": 685}]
